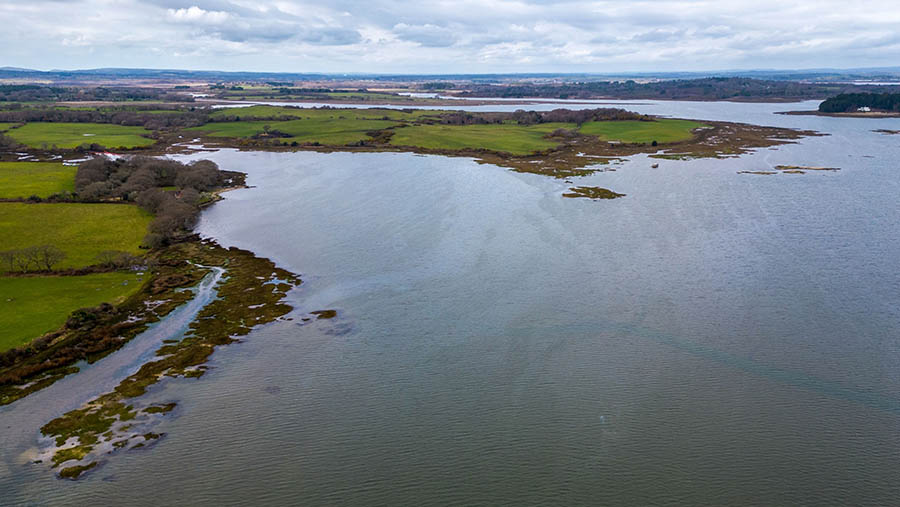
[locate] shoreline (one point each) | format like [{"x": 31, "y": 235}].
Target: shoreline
[
  {"x": 578, "y": 156},
  {"x": 495, "y": 101},
  {"x": 871, "y": 114},
  {"x": 250, "y": 292},
  {"x": 247, "y": 300}
]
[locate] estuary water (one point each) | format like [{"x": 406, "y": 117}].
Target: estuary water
[{"x": 713, "y": 338}]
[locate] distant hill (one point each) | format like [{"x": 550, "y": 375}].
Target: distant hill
[
  {"x": 714, "y": 88},
  {"x": 887, "y": 74}
]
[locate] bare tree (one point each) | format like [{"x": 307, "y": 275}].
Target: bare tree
[
  {"x": 117, "y": 259},
  {"x": 47, "y": 256},
  {"x": 33, "y": 258},
  {"x": 22, "y": 260}
]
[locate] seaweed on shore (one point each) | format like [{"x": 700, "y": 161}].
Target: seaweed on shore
[
  {"x": 324, "y": 314},
  {"x": 593, "y": 193},
  {"x": 92, "y": 333},
  {"x": 250, "y": 294},
  {"x": 790, "y": 169}
]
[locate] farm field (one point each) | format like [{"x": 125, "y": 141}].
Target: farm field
[
  {"x": 34, "y": 305},
  {"x": 80, "y": 230},
  {"x": 643, "y": 132},
  {"x": 71, "y": 135},
  {"x": 24, "y": 179},
  {"x": 509, "y": 138}
]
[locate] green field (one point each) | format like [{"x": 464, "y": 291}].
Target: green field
[
  {"x": 24, "y": 179},
  {"x": 5, "y": 126},
  {"x": 80, "y": 230},
  {"x": 508, "y": 137},
  {"x": 329, "y": 131},
  {"x": 661, "y": 131},
  {"x": 71, "y": 135},
  {"x": 32, "y": 306},
  {"x": 347, "y": 126}
]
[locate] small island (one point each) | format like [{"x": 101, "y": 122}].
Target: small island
[
  {"x": 593, "y": 193},
  {"x": 791, "y": 169},
  {"x": 857, "y": 105}
]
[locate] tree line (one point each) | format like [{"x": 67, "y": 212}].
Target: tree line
[
  {"x": 523, "y": 117},
  {"x": 713, "y": 88},
  {"x": 140, "y": 180},
  {"x": 134, "y": 118},
  {"x": 850, "y": 102},
  {"x": 44, "y": 258},
  {"x": 33, "y": 258},
  {"x": 43, "y": 93}
]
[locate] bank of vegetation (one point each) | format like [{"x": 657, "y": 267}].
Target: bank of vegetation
[
  {"x": 713, "y": 88},
  {"x": 19, "y": 93},
  {"x": 855, "y": 102}
]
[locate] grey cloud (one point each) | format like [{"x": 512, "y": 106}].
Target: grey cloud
[
  {"x": 426, "y": 35},
  {"x": 281, "y": 33},
  {"x": 331, "y": 36},
  {"x": 246, "y": 34},
  {"x": 660, "y": 35},
  {"x": 462, "y": 35}
]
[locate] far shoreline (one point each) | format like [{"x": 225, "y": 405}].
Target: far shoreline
[{"x": 861, "y": 114}]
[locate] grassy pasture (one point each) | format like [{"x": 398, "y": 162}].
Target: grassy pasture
[
  {"x": 24, "y": 179},
  {"x": 347, "y": 126},
  {"x": 507, "y": 137},
  {"x": 323, "y": 130},
  {"x": 71, "y": 135},
  {"x": 32, "y": 306},
  {"x": 6, "y": 126},
  {"x": 644, "y": 132},
  {"x": 80, "y": 230}
]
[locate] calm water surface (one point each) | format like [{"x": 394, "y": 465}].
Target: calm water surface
[{"x": 713, "y": 338}]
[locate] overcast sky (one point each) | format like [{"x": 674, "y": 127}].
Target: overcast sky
[{"x": 459, "y": 36}]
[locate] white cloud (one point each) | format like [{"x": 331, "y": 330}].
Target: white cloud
[{"x": 195, "y": 14}]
